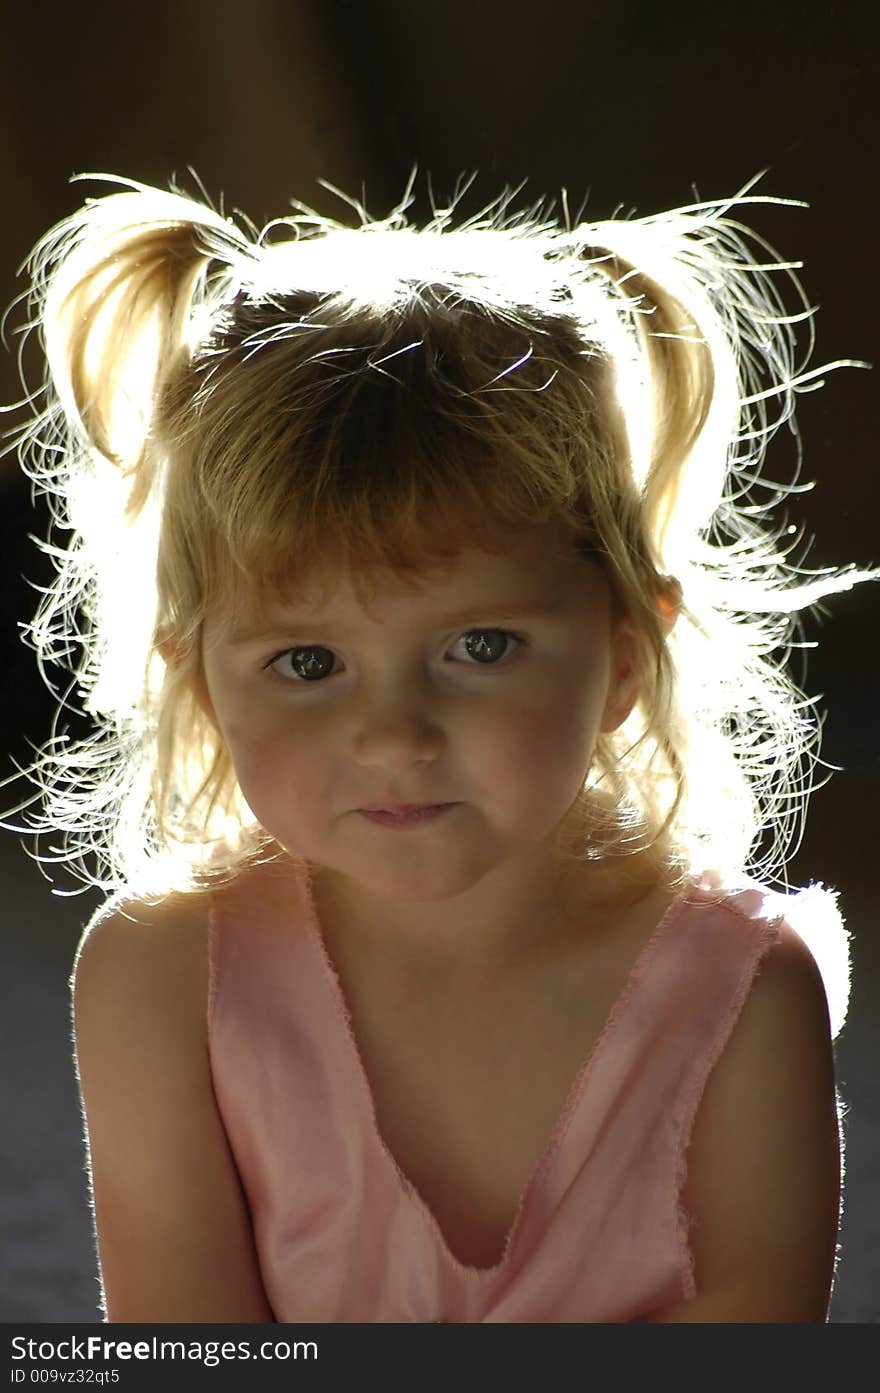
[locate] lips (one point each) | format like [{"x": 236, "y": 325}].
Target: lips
[
  {"x": 397, "y": 808},
  {"x": 417, "y": 814}
]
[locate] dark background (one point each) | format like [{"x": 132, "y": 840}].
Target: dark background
[{"x": 631, "y": 105}]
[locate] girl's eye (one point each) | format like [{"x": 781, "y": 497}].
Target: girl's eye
[
  {"x": 306, "y": 664},
  {"x": 487, "y": 647}
]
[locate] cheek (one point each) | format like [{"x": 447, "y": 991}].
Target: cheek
[
  {"x": 272, "y": 762},
  {"x": 541, "y": 749}
]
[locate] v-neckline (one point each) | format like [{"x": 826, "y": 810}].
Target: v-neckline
[{"x": 573, "y": 1098}]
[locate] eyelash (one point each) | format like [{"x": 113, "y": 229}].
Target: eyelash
[{"x": 518, "y": 639}]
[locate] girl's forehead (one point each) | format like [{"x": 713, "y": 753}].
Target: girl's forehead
[
  {"x": 524, "y": 557},
  {"x": 526, "y": 566}
]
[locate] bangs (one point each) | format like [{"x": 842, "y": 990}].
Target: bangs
[
  {"x": 394, "y": 509},
  {"x": 390, "y": 461}
]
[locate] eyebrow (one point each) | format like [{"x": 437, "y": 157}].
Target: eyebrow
[{"x": 474, "y": 614}]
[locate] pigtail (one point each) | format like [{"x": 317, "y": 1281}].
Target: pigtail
[
  {"x": 681, "y": 384},
  {"x": 115, "y": 288},
  {"x": 713, "y": 368},
  {"x": 118, "y": 293},
  {"x": 121, "y": 294}
]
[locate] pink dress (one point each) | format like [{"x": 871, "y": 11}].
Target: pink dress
[{"x": 343, "y": 1236}]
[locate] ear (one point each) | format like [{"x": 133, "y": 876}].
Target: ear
[
  {"x": 172, "y": 655},
  {"x": 669, "y": 602},
  {"x": 626, "y": 677},
  {"x": 630, "y": 653},
  {"x": 168, "y": 650}
]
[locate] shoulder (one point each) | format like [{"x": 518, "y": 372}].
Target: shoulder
[
  {"x": 789, "y": 988},
  {"x": 781, "y": 1041},
  {"x": 139, "y": 985},
  {"x": 135, "y": 923},
  {"x": 761, "y": 1192},
  {"x": 135, "y": 956}
]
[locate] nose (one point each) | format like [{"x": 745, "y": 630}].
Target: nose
[{"x": 397, "y": 726}]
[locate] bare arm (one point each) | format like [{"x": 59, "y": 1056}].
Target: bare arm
[
  {"x": 763, "y": 1183},
  {"x": 174, "y": 1232}
]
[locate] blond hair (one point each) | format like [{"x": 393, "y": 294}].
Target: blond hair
[{"x": 227, "y": 407}]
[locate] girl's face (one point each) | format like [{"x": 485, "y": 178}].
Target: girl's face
[{"x": 485, "y": 689}]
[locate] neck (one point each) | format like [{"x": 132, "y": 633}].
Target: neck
[{"x": 513, "y": 914}]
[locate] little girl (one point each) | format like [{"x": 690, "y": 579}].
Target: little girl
[{"x": 428, "y": 624}]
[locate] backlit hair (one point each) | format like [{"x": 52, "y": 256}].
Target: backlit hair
[{"x": 227, "y": 410}]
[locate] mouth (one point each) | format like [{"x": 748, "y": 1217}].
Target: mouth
[{"x": 406, "y": 814}]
